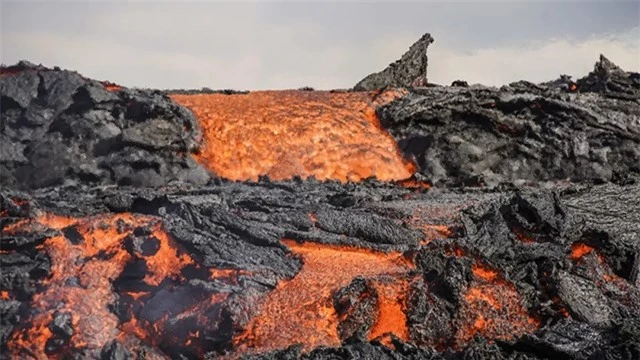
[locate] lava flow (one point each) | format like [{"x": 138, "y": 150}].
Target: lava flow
[
  {"x": 308, "y": 298},
  {"x": 281, "y": 134},
  {"x": 74, "y": 308}
]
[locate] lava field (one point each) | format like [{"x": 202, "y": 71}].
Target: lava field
[{"x": 396, "y": 220}]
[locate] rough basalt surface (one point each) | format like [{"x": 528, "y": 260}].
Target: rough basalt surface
[
  {"x": 522, "y": 132},
  {"x": 576, "y": 304},
  {"x": 61, "y": 128},
  {"x": 408, "y": 71}
]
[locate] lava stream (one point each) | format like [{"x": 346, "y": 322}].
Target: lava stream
[
  {"x": 301, "y": 310},
  {"x": 283, "y": 134}
]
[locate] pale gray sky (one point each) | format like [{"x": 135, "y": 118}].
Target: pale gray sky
[{"x": 275, "y": 45}]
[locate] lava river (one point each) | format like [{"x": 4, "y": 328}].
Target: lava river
[{"x": 281, "y": 134}]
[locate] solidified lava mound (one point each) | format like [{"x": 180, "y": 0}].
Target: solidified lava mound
[
  {"x": 59, "y": 128},
  {"x": 460, "y": 222}
]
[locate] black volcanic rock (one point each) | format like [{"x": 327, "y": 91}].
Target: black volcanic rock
[
  {"x": 409, "y": 71},
  {"x": 522, "y": 132},
  {"x": 59, "y": 127},
  {"x": 221, "y": 226},
  {"x": 611, "y": 81}
]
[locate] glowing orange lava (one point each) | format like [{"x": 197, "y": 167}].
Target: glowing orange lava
[
  {"x": 484, "y": 272},
  {"x": 492, "y": 308},
  {"x": 300, "y": 310},
  {"x": 579, "y": 250},
  {"x": 82, "y": 272},
  {"x": 281, "y": 134},
  {"x": 391, "y": 318},
  {"x": 109, "y": 86}
]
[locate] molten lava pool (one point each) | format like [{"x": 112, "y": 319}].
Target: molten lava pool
[{"x": 281, "y": 134}]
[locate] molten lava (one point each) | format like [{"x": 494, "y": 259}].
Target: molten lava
[
  {"x": 492, "y": 307},
  {"x": 391, "y": 317},
  {"x": 301, "y": 310},
  {"x": 579, "y": 250},
  {"x": 109, "y": 86},
  {"x": 282, "y": 134},
  {"x": 86, "y": 258}
]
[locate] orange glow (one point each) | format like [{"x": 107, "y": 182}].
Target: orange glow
[
  {"x": 391, "y": 316},
  {"x": 300, "y": 310},
  {"x": 15, "y": 227},
  {"x": 282, "y": 134},
  {"x": 436, "y": 221},
  {"x": 579, "y": 250},
  {"x": 573, "y": 87},
  {"x": 109, "y": 86},
  {"x": 4, "y": 295},
  {"x": 414, "y": 184},
  {"x": 492, "y": 308},
  {"x": 93, "y": 264},
  {"x": 484, "y": 272},
  {"x": 482, "y": 293},
  {"x": 432, "y": 232}
]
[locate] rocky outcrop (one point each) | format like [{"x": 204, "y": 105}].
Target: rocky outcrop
[
  {"x": 59, "y": 127},
  {"x": 611, "y": 81},
  {"x": 409, "y": 71},
  {"x": 522, "y": 132}
]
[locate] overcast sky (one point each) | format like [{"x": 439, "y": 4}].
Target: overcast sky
[{"x": 275, "y": 45}]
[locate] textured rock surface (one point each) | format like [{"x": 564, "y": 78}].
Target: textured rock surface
[
  {"x": 522, "y": 132},
  {"x": 409, "y": 71},
  {"x": 526, "y": 244},
  {"x": 59, "y": 127},
  {"x": 611, "y": 81}
]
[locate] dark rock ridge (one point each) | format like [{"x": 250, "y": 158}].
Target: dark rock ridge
[
  {"x": 61, "y": 128},
  {"x": 522, "y": 132},
  {"x": 409, "y": 71},
  {"x": 611, "y": 81}
]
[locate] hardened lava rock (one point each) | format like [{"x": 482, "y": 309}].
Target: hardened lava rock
[
  {"x": 408, "y": 71},
  {"x": 61, "y": 128},
  {"x": 522, "y": 133},
  {"x": 528, "y": 273}
]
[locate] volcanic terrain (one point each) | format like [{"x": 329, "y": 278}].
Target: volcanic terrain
[{"x": 396, "y": 220}]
